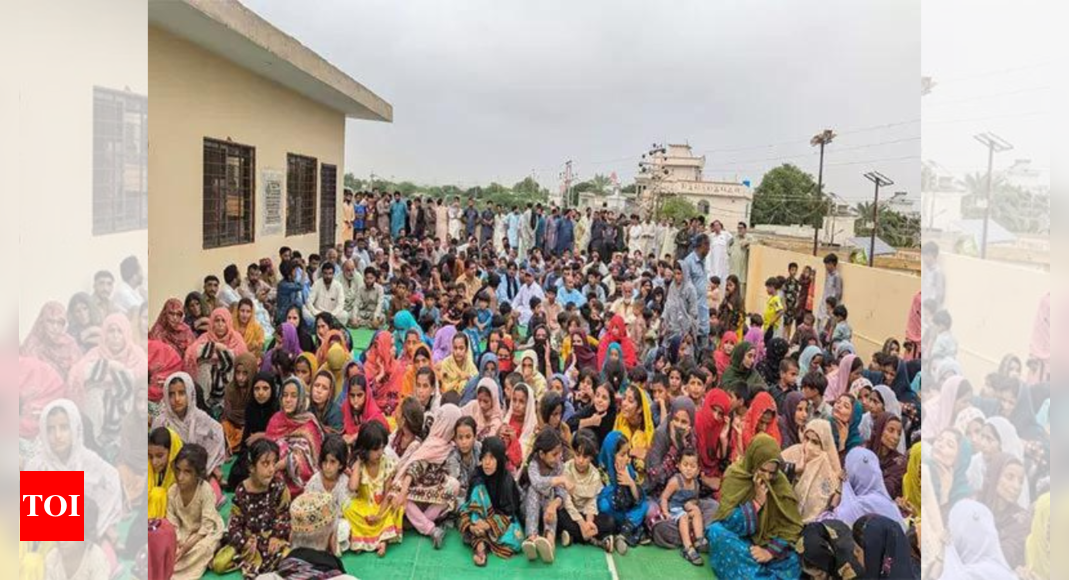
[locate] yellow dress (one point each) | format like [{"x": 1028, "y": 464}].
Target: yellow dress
[
  {"x": 369, "y": 496},
  {"x": 157, "y": 490}
]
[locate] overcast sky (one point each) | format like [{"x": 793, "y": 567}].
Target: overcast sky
[{"x": 497, "y": 90}]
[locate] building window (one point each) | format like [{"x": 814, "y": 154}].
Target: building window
[
  {"x": 703, "y": 207},
  {"x": 120, "y": 161},
  {"x": 229, "y": 183},
  {"x": 300, "y": 194}
]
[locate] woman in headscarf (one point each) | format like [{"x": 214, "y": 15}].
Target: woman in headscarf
[
  {"x": 248, "y": 327},
  {"x": 583, "y": 348},
  {"x": 732, "y": 310},
  {"x": 159, "y": 482},
  {"x": 358, "y": 408},
  {"x": 383, "y": 372},
  {"x": 423, "y": 477},
  {"x": 948, "y": 465},
  {"x": 722, "y": 354},
  {"x": 846, "y": 424},
  {"x": 675, "y": 433},
  {"x": 793, "y": 419},
  {"x": 62, "y": 448},
  {"x": 486, "y": 409},
  {"x": 49, "y": 341},
  {"x": 420, "y": 359},
  {"x": 885, "y": 548},
  {"x": 488, "y": 369},
  {"x": 616, "y": 332},
  {"x": 973, "y": 550},
  {"x": 1000, "y": 493},
  {"x": 289, "y": 344},
  {"x": 236, "y": 398},
  {"x": 210, "y": 358},
  {"x": 181, "y": 414},
  {"x": 635, "y": 423},
  {"x": 775, "y": 352},
  {"x": 820, "y": 468},
  {"x": 761, "y": 417},
  {"x": 443, "y": 343},
  {"x": 712, "y": 441},
  {"x": 997, "y": 436},
  {"x": 458, "y": 368},
  {"x": 562, "y": 385},
  {"x": 811, "y": 359},
  {"x": 196, "y": 313},
  {"x": 622, "y": 497},
  {"x": 953, "y": 397},
  {"x": 548, "y": 358},
  {"x": 531, "y": 376},
  {"x": 261, "y": 406},
  {"x": 850, "y": 368},
  {"x": 163, "y": 361},
  {"x": 170, "y": 327},
  {"x": 756, "y": 337},
  {"x": 83, "y": 321},
  {"x": 39, "y": 384},
  {"x": 881, "y": 401},
  {"x": 599, "y": 416},
  {"x": 828, "y": 550},
  {"x": 325, "y": 397},
  {"x": 863, "y": 491},
  {"x": 885, "y": 441},
  {"x": 757, "y": 524},
  {"x": 521, "y": 424},
  {"x": 741, "y": 369},
  {"x": 490, "y": 520},
  {"x": 333, "y": 336},
  {"x": 404, "y": 321},
  {"x": 297, "y": 434},
  {"x": 613, "y": 371}
]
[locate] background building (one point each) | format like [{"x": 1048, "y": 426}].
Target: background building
[
  {"x": 248, "y": 141},
  {"x": 673, "y": 170}
]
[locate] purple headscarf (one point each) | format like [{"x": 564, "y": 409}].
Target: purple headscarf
[
  {"x": 443, "y": 343},
  {"x": 291, "y": 343},
  {"x": 756, "y": 337},
  {"x": 864, "y": 491}
]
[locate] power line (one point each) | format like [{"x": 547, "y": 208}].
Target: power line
[
  {"x": 806, "y": 155},
  {"x": 990, "y": 96}
]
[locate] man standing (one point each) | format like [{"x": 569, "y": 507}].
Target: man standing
[
  {"x": 398, "y": 213},
  {"x": 694, "y": 268},
  {"x": 512, "y": 228},
  {"x": 565, "y": 233},
  {"x": 740, "y": 258},
  {"x": 486, "y": 221},
  {"x": 716, "y": 264},
  {"x": 471, "y": 219},
  {"x": 833, "y": 286},
  {"x": 326, "y": 296}
]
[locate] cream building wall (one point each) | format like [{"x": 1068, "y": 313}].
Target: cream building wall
[
  {"x": 80, "y": 46},
  {"x": 878, "y": 299},
  {"x": 197, "y": 94}
]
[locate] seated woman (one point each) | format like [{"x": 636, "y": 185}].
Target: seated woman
[
  {"x": 761, "y": 417},
  {"x": 248, "y": 327},
  {"x": 817, "y": 463},
  {"x": 325, "y": 402},
  {"x": 490, "y": 520},
  {"x": 828, "y": 551},
  {"x": 864, "y": 491},
  {"x": 635, "y": 423},
  {"x": 621, "y": 498},
  {"x": 456, "y": 369},
  {"x": 599, "y": 416},
  {"x": 262, "y": 405},
  {"x": 236, "y": 398},
  {"x": 885, "y": 440},
  {"x": 180, "y": 413},
  {"x": 711, "y": 438},
  {"x": 886, "y": 551},
  {"x": 486, "y": 409},
  {"x": 62, "y": 449},
  {"x": 1001, "y": 491},
  {"x": 755, "y": 529},
  {"x": 383, "y": 372},
  {"x": 488, "y": 369},
  {"x": 210, "y": 358},
  {"x": 298, "y": 435},
  {"x": 846, "y": 424}
]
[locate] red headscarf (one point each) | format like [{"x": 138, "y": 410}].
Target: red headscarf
[
  {"x": 723, "y": 359},
  {"x": 163, "y": 362},
  {"x": 707, "y": 430},
  {"x": 173, "y": 331},
  {"x": 371, "y": 412},
  {"x": 39, "y": 385},
  {"x": 761, "y": 403},
  {"x": 52, "y": 344},
  {"x": 381, "y": 358},
  {"x": 616, "y": 331}
]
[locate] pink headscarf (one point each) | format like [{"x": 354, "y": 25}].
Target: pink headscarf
[
  {"x": 232, "y": 340},
  {"x": 53, "y": 346},
  {"x": 39, "y": 385},
  {"x": 436, "y": 447},
  {"x": 486, "y": 425},
  {"x": 941, "y": 415},
  {"x": 841, "y": 385},
  {"x": 756, "y": 337}
]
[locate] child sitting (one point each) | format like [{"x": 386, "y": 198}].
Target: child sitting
[
  {"x": 374, "y": 517},
  {"x": 579, "y": 518},
  {"x": 163, "y": 447},
  {"x": 191, "y": 511},
  {"x": 423, "y": 482},
  {"x": 464, "y": 457},
  {"x": 259, "y": 527},
  {"x": 489, "y": 519},
  {"x": 546, "y": 494},
  {"x": 680, "y": 501},
  {"x": 332, "y": 480}
]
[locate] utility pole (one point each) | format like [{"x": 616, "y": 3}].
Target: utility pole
[
  {"x": 822, "y": 139},
  {"x": 567, "y": 177},
  {"x": 880, "y": 180},
  {"x": 994, "y": 144}
]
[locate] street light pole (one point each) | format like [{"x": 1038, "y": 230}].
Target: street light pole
[
  {"x": 822, "y": 139},
  {"x": 880, "y": 180},
  {"x": 994, "y": 144}
]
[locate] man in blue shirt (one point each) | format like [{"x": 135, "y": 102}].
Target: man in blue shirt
[
  {"x": 568, "y": 294},
  {"x": 694, "y": 267}
]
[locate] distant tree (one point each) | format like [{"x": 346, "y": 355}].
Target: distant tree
[
  {"x": 676, "y": 209},
  {"x": 1012, "y": 207},
  {"x": 629, "y": 188},
  {"x": 600, "y": 184},
  {"x": 787, "y": 195}
]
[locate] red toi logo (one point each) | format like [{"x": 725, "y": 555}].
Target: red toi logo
[{"x": 52, "y": 506}]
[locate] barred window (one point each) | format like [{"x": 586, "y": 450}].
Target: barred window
[
  {"x": 328, "y": 204},
  {"x": 120, "y": 161},
  {"x": 229, "y": 200},
  {"x": 300, "y": 194}
]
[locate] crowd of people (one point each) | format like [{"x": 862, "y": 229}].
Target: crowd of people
[{"x": 532, "y": 378}]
